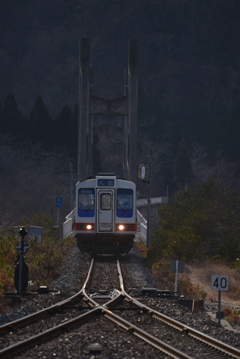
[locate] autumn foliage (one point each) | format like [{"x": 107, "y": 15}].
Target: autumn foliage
[{"x": 44, "y": 260}]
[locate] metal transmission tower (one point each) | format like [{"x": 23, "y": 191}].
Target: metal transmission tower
[
  {"x": 131, "y": 123},
  {"x": 125, "y": 106},
  {"x": 83, "y": 109}
]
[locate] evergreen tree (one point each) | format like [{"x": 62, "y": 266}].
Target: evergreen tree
[
  {"x": 182, "y": 168},
  {"x": 72, "y": 140},
  {"x": 41, "y": 123},
  {"x": 11, "y": 116},
  {"x": 62, "y": 128},
  {"x": 1, "y": 115},
  {"x": 233, "y": 143}
]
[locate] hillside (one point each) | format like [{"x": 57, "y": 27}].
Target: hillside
[
  {"x": 188, "y": 70},
  {"x": 188, "y": 53}
]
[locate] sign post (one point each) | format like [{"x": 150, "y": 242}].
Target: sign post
[
  {"x": 35, "y": 232},
  {"x": 144, "y": 174},
  {"x": 143, "y": 171},
  {"x": 219, "y": 282},
  {"x": 58, "y": 206},
  {"x": 176, "y": 267}
]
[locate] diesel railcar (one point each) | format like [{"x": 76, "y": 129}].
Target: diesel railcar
[{"x": 105, "y": 216}]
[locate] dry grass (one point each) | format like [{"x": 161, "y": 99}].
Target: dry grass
[
  {"x": 196, "y": 283},
  {"x": 166, "y": 280},
  {"x": 201, "y": 273},
  {"x": 232, "y": 315},
  {"x": 196, "y": 279}
]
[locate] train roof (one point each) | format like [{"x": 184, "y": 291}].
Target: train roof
[{"x": 105, "y": 175}]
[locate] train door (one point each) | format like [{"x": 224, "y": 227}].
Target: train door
[{"x": 105, "y": 220}]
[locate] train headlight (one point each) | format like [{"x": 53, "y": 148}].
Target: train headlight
[
  {"x": 125, "y": 227},
  {"x": 84, "y": 226}
]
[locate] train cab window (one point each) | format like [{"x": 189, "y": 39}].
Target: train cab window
[
  {"x": 124, "y": 202},
  {"x": 105, "y": 201},
  {"x": 86, "y": 202}
]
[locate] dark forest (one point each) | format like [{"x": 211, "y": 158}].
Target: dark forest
[{"x": 189, "y": 81}]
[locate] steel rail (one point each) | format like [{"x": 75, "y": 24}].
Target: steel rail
[
  {"x": 206, "y": 339},
  {"x": 85, "y": 285},
  {"x": 20, "y": 346},
  {"x": 160, "y": 345},
  {"x": 142, "y": 334},
  {"x": 105, "y": 310},
  {"x": 37, "y": 315},
  {"x": 49, "y": 310},
  {"x": 17, "y": 347},
  {"x": 46, "y": 335}
]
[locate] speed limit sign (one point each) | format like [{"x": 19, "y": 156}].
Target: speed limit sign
[{"x": 219, "y": 282}]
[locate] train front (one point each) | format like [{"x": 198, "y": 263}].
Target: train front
[{"x": 105, "y": 216}]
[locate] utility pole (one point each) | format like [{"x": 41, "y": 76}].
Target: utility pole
[
  {"x": 83, "y": 109},
  {"x": 71, "y": 194},
  {"x": 149, "y": 197},
  {"x": 131, "y": 150}
]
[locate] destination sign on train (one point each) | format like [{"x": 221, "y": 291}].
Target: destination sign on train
[{"x": 105, "y": 182}]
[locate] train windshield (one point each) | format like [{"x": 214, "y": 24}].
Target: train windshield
[
  {"x": 124, "y": 203},
  {"x": 86, "y": 202}
]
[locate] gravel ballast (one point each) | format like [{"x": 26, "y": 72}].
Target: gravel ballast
[{"x": 115, "y": 344}]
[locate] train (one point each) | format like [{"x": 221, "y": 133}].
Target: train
[{"x": 105, "y": 215}]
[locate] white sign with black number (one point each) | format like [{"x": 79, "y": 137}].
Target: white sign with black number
[{"x": 219, "y": 282}]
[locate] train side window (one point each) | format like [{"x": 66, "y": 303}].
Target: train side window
[{"x": 105, "y": 201}]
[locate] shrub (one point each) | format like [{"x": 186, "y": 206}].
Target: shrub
[
  {"x": 236, "y": 265},
  {"x": 227, "y": 311},
  {"x": 6, "y": 281},
  {"x": 232, "y": 316},
  {"x": 161, "y": 271},
  {"x": 44, "y": 261},
  {"x": 143, "y": 249},
  {"x": 200, "y": 223},
  {"x": 166, "y": 280},
  {"x": 7, "y": 261}
]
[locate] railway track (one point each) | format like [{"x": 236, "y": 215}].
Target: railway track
[{"x": 97, "y": 301}]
